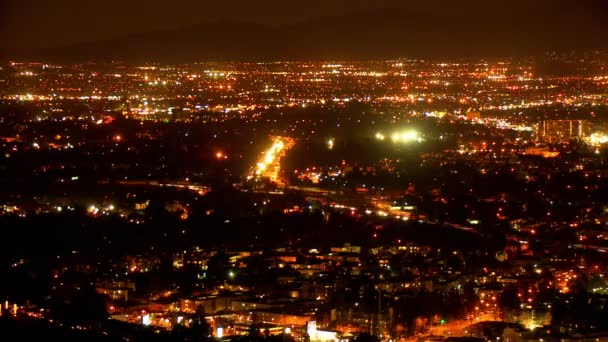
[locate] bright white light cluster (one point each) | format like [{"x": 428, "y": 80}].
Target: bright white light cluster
[{"x": 402, "y": 137}]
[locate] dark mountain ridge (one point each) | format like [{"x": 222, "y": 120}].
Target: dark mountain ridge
[{"x": 382, "y": 34}]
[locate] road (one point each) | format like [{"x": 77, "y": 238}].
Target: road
[
  {"x": 269, "y": 164},
  {"x": 454, "y": 327}
]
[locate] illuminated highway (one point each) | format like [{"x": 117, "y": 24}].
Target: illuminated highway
[{"x": 269, "y": 165}]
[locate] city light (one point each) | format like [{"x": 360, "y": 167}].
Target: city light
[
  {"x": 407, "y": 136},
  {"x": 269, "y": 165},
  {"x": 135, "y": 167},
  {"x": 598, "y": 138}
]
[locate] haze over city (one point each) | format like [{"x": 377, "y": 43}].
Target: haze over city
[{"x": 189, "y": 30}]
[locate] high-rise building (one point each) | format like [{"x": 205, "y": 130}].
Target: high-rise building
[{"x": 560, "y": 131}]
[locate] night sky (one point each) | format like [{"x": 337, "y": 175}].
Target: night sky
[{"x": 38, "y": 25}]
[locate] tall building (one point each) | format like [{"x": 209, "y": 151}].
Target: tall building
[{"x": 560, "y": 131}]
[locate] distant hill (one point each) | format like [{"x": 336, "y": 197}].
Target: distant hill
[{"x": 380, "y": 34}]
